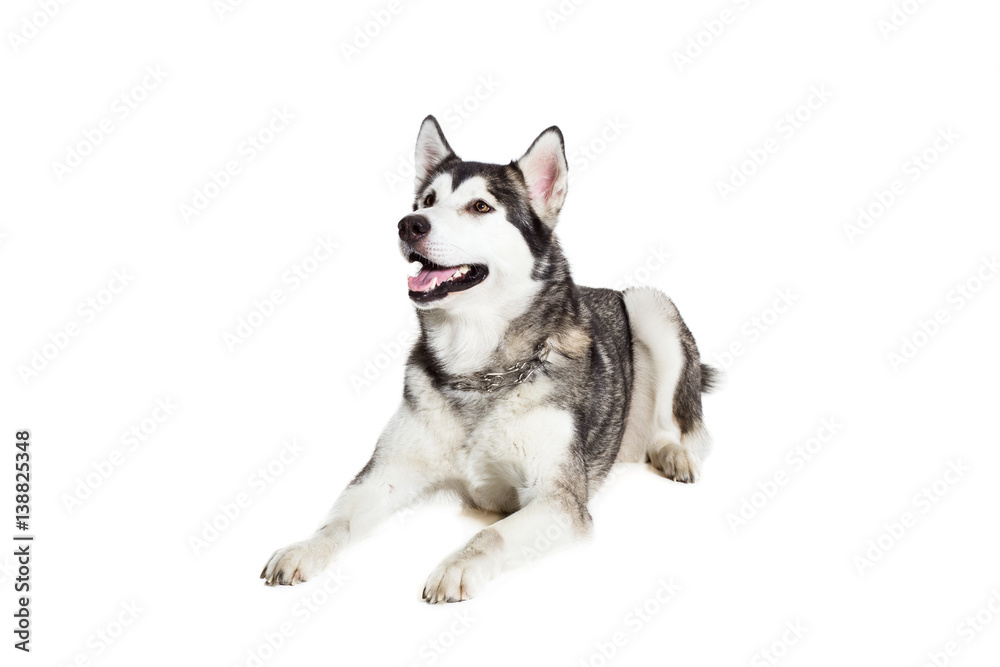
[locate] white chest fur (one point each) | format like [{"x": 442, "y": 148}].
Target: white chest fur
[{"x": 498, "y": 449}]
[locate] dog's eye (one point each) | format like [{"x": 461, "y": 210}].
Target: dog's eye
[
  {"x": 481, "y": 207},
  {"x": 429, "y": 200}
]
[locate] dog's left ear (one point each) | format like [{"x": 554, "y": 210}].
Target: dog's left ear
[
  {"x": 546, "y": 174},
  {"x": 432, "y": 149}
]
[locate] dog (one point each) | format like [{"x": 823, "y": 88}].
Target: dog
[{"x": 522, "y": 389}]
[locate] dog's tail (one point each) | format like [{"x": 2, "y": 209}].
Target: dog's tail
[{"x": 711, "y": 377}]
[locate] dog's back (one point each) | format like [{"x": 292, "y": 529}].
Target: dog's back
[{"x": 523, "y": 388}]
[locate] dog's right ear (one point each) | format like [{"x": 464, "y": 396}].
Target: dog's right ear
[{"x": 432, "y": 149}]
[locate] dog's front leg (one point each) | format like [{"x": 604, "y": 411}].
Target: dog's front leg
[
  {"x": 558, "y": 515},
  {"x": 390, "y": 481}
]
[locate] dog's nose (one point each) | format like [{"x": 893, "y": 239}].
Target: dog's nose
[{"x": 412, "y": 228}]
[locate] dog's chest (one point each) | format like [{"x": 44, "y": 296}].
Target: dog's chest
[{"x": 514, "y": 443}]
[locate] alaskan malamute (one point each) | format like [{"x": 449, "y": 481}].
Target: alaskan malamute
[{"x": 523, "y": 388}]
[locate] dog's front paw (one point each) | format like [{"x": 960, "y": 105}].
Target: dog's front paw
[
  {"x": 458, "y": 578},
  {"x": 297, "y": 562},
  {"x": 677, "y": 463}
]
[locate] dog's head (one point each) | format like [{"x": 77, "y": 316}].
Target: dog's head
[{"x": 479, "y": 232}]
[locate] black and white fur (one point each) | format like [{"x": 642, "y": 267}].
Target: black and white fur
[{"x": 622, "y": 382}]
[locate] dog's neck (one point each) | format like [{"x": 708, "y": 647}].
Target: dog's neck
[{"x": 487, "y": 338}]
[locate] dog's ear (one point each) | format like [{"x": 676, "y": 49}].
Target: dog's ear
[
  {"x": 546, "y": 174},
  {"x": 432, "y": 149}
]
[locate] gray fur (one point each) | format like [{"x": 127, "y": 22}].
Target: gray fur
[{"x": 620, "y": 367}]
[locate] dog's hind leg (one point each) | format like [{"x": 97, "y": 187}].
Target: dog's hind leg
[{"x": 666, "y": 412}]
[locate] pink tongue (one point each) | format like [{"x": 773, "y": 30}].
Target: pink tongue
[{"x": 422, "y": 281}]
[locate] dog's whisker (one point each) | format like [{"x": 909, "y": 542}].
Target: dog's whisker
[{"x": 608, "y": 376}]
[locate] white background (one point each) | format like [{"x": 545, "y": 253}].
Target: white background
[{"x": 659, "y": 135}]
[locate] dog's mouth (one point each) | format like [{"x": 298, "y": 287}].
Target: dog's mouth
[{"x": 433, "y": 281}]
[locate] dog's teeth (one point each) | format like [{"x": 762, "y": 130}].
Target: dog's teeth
[
  {"x": 434, "y": 283},
  {"x": 415, "y": 267}
]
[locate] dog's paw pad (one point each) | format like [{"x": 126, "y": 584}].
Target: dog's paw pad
[
  {"x": 297, "y": 563},
  {"x": 677, "y": 463},
  {"x": 456, "y": 579}
]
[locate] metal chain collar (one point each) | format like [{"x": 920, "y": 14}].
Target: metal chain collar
[{"x": 516, "y": 374}]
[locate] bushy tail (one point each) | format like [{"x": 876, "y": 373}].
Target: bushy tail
[{"x": 710, "y": 377}]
